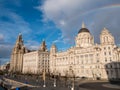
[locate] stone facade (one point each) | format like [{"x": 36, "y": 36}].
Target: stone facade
[
  {"x": 16, "y": 62},
  {"x": 26, "y": 61},
  {"x": 30, "y": 62},
  {"x": 36, "y": 61},
  {"x": 87, "y": 59},
  {"x": 5, "y": 67}
]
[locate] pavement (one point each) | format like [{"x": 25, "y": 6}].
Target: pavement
[
  {"x": 98, "y": 85},
  {"x": 49, "y": 88},
  {"x": 37, "y": 84},
  {"x": 56, "y": 88},
  {"x": 112, "y": 86}
]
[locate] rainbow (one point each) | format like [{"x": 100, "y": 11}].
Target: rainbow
[
  {"x": 113, "y": 6},
  {"x": 103, "y": 8}
]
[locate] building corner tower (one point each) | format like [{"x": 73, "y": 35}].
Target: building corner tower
[
  {"x": 16, "y": 62},
  {"x": 84, "y": 38},
  {"x": 53, "y": 51}
]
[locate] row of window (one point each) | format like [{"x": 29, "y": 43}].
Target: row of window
[
  {"x": 84, "y": 50},
  {"x": 107, "y": 48},
  {"x": 108, "y": 60},
  {"x": 105, "y": 53},
  {"x": 77, "y": 57}
]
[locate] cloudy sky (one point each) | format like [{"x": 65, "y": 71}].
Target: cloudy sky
[{"x": 55, "y": 21}]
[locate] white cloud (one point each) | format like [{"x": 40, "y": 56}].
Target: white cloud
[
  {"x": 32, "y": 45},
  {"x": 69, "y": 14},
  {"x": 1, "y": 37},
  {"x": 10, "y": 25},
  {"x": 62, "y": 22},
  {"x": 5, "y": 50},
  {"x": 66, "y": 14}
]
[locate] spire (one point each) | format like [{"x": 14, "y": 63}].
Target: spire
[
  {"x": 53, "y": 46},
  {"x": 43, "y": 46},
  {"x": 20, "y": 34},
  {"x": 83, "y": 29},
  {"x": 19, "y": 39},
  {"x": 104, "y": 28},
  {"x": 43, "y": 40},
  {"x": 19, "y": 43},
  {"x": 83, "y": 25}
]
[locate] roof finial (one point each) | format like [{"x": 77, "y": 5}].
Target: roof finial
[
  {"x": 104, "y": 28},
  {"x": 20, "y": 34},
  {"x": 83, "y": 25}
]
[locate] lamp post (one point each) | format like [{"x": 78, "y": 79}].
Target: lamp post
[
  {"x": 44, "y": 85},
  {"x": 72, "y": 76},
  {"x": 72, "y": 88},
  {"x": 54, "y": 84},
  {"x": 66, "y": 76},
  {"x": 92, "y": 74},
  {"x": 71, "y": 70},
  {"x": 0, "y": 63},
  {"x": 54, "y": 72}
]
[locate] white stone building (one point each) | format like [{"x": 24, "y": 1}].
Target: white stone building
[
  {"x": 87, "y": 59},
  {"x": 35, "y": 62},
  {"x": 30, "y": 62},
  {"x": 5, "y": 67},
  {"x": 16, "y": 62},
  {"x": 27, "y": 61}
]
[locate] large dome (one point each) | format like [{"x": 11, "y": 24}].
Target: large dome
[{"x": 83, "y": 30}]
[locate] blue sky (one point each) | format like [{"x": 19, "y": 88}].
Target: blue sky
[{"x": 55, "y": 21}]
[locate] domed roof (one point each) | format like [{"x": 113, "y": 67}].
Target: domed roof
[
  {"x": 83, "y": 29},
  {"x": 53, "y": 46}
]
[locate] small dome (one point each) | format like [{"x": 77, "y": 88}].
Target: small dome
[
  {"x": 83, "y": 30},
  {"x": 53, "y": 46}
]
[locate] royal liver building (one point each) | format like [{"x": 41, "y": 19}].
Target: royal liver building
[{"x": 85, "y": 59}]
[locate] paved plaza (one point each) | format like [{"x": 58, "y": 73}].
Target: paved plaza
[{"x": 62, "y": 83}]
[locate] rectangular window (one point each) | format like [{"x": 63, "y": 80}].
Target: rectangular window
[
  {"x": 97, "y": 54},
  {"x": 81, "y": 56},
  {"x": 104, "y": 48},
  {"x": 104, "y": 53},
  {"x": 97, "y": 60},
  {"x": 109, "y": 53},
  {"x": 110, "y": 59},
  {"x": 105, "y": 59}
]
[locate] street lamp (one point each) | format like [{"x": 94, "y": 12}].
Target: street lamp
[
  {"x": 0, "y": 63},
  {"x": 72, "y": 88},
  {"x": 54, "y": 83},
  {"x": 44, "y": 85},
  {"x": 71, "y": 70},
  {"x": 72, "y": 76},
  {"x": 66, "y": 76},
  {"x": 54, "y": 79},
  {"x": 93, "y": 74}
]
